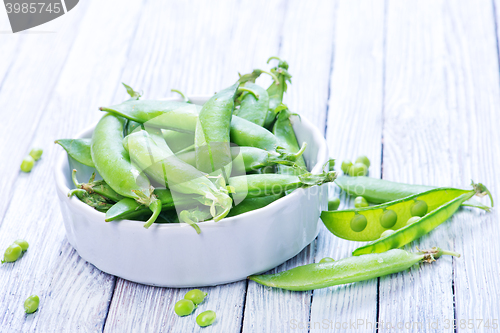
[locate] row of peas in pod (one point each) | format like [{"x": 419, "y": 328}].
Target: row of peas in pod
[
  {"x": 12, "y": 254},
  {"x": 168, "y": 161},
  {"x": 399, "y": 214}
]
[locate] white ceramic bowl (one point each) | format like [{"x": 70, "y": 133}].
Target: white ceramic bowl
[{"x": 174, "y": 255}]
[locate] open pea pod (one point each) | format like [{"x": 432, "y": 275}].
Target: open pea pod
[
  {"x": 417, "y": 229},
  {"x": 379, "y": 191},
  {"x": 368, "y": 224}
]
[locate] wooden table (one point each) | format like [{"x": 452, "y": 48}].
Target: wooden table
[{"x": 414, "y": 85}]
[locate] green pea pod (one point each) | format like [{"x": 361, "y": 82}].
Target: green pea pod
[
  {"x": 246, "y": 133},
  {"x": 177, "y": 140},
  {"x": 277, "y": 89},
  {"x": 259, "y": 185},
  {"x": 212, "y": 133},
  {"x": 348, "y": 270},
  {"x": 368, "y": 223},
  {"x": 421, "y": 227},
  {"x": 113, "y": 163},
  {"x": 78, "y": 149},
  {"x": 378, "y": 191},
  {"x": 179, "y": 116},
  {"x": 250, "y": 204},
  {"x": 283, "y": 130},
  {"x": 253, "y": 158},
  {"x": 252, "y": 108},
  {"x": 164, "y": 167}
]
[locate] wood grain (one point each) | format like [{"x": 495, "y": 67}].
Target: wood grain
[
  {"x": 354, "y": 128},
  {"x": 73, "y": 294},
  {"x": 415, "y": 86},
  {"x": 424, "y": 141},
  {"x": 274, "y": 310}
]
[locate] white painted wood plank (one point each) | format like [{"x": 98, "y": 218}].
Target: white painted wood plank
[
  {"x": 354, "y": 128},
  {"x": 33, "y": 62},
  {"x": 417, "y": 150},
  {"x": 199, "y": 52},
  {"x": 424, "y": 141},
  {"x": 307, "y": 45},
  {"x": 73, "y": 293},
  {"x": 473, "y": 88}
]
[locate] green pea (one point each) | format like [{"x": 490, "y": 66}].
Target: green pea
[
  {"x": 387, "y": 233},
  {"x": 27, "y": 164},
  {"x": 196, "y": 296},
  {"x": 206, "y": 318},
  {"x": 22, "y": 243},
  {"x": 360, "y": 202},
  {"x": 326, "y": 259},
  {"x": 363, "y": 159},
  {"x": 419, "y": 208},
  {"x": 333, "y": 204},
  {"x": 358, "y": 223},
  {"x": 36, "y": 153},
  {"x": 31, "y": 304},
  {"x": 346, "y": 165},
  {"x": 184, "y": 307},
  {"x": 358, "y": 169},
  {"x": 12, "y": 253},
  {"x": 413, "y": 219},
  {"x": 388, "y": 218}
]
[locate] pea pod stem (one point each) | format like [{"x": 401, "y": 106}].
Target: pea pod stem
[
  {"x": 251, "y": 91},
  {"x": 251, "y": 77},
  {"x": 187, "y": 100},
  {"x": 348, "y": 270}
]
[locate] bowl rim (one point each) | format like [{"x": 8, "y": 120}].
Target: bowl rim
[{"x": 322, "y": 158}]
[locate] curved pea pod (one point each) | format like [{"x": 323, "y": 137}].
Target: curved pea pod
[
  {"x": 366, "y": 224},
  {"x": 378, "y": 191},
  {"x": 246, "y": 133},
  {"x": 348, "y": 270},
  {"x": 164, "y": 167},
  {"x": 113, "y": 163},
  {"x": 179, "y": 116},
  {"x": 78, "y": 149},
  {"x": 417, "y": 229},
  {"x": 252, "y": 108},
  {"x": 250, "y": 204},
  {"x": 283, "y": 130},
  {"x": 212, "y": 132}
]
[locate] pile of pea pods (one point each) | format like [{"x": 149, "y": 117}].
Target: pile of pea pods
[{"x": 168, "y": 161}]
